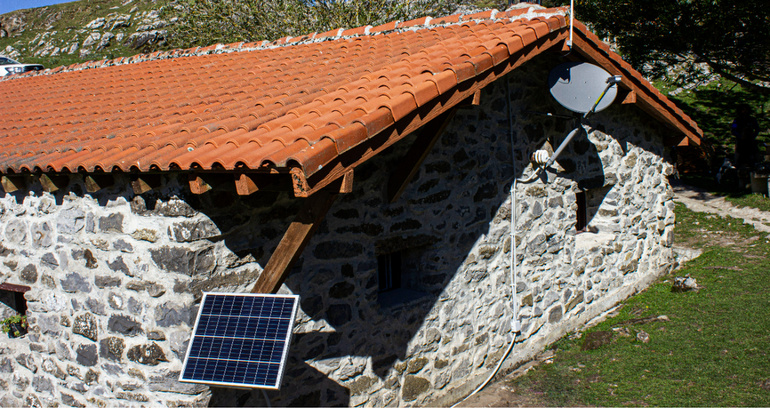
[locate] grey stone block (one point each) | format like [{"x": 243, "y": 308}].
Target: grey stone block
[
  {"x": 125, "y": 325},
  {"x": 42, "y": 234},
  {"x": 112, "y": 348},
  {"x": 16, "y": 231},
  {"x": 70, "y": 221},
  {"x": 111, "y": 224},
  {"x": 86, "y": 354}
]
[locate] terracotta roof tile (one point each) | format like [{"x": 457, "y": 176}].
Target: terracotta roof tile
[{"x": 295, "y": 102}]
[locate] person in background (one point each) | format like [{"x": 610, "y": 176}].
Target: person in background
[{"x": 745, "y": 128}]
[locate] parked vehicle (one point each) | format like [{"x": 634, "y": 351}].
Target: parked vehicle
[{"x": 9, "y": 66}]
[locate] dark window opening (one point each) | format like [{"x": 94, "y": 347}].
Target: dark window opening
[
  {"x": 399, "y": 275},
  {"x": 12, "y": 297},
  {"x": 389, "y": 269},
  {"x": 581, "y": 225}
]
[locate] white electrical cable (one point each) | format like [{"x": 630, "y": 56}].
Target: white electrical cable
[
  {"x": 515, "y": 323},
  {"x": 267, "y": 398},
  {"x": 571, "y": 21}
]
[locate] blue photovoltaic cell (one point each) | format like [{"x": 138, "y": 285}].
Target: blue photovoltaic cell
[{"x": 240, "y": 340}]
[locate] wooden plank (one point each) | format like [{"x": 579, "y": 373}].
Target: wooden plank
[
  {"x": 294, "y": 241},
  {"x": 96, "y": 182},
  {"x": 14, "y": 287},
  {"x": 144, "y": 183},
  {"x": 416, "y": 155},
  {"x": 245, "y": 184},
  {"x": 52, "y": 183},
  {"x": 13, "y": 183},
  {"x": 198, "y": 186}
]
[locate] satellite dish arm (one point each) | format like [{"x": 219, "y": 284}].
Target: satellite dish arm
[{"x": 610, "y": 82}]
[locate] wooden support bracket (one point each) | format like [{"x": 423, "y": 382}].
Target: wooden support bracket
[
  {"x": 675, "y": 140},
  {"x": 302, "y": 187},
  {"x": 294, "y": 241},
  {"x": 198, "y": 185},
  {"x": 413, "y": 159},
  {"x": 144, "y": 183},
  {"x": 13, "y": 183},
  {"x": 245, "y": 184},
  {"x": 95, "y": 181},
  {"x": 627, "y": 97},
  {"x": 53, "y": 182},
  {"x": 473, "y": 100}
]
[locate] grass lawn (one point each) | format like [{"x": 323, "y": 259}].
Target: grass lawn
[{"x": 712, "y": 351}]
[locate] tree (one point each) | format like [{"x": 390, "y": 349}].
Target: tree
[
  {"x": 729, "y": 36},
  {"x": 205, "y": 22}
]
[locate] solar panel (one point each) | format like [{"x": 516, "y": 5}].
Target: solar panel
[{"x": 240, "y": 340}]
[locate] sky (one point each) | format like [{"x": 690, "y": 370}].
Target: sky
[{"x": 7, "y": 6}]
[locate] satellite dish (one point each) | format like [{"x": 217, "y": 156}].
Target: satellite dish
[{"x": 578, "y": 86}]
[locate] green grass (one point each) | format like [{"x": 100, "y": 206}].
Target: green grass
[{"x": 712, "y": 352}]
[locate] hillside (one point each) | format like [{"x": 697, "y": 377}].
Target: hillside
[{"x": 83, "y": 30}]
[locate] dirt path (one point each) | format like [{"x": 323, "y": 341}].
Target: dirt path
[
  {"x": 501, "y": 394},
  {"x": 699, "y": 200}
]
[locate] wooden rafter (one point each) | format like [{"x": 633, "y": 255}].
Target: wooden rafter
[
  {"x": 413, "y": 159},
  {"x": 296, "y": 238},
  {"x": 361, "y": 153}
]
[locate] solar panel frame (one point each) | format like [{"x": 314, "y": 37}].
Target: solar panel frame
[{"x": 264, "y": 336}]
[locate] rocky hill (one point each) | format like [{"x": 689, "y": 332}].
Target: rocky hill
[{"x": 84, "y": 30}]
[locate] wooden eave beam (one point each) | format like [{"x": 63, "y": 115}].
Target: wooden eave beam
[
  {"x": 423, "y": 115},
  {"x": 413, "y": 159},
  {"x": 296, "y": 238}
]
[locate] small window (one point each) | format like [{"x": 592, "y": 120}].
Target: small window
[
  {"x": 12, "y": 298},
  {"x": 389, "y": 270},
  {"x": 13, "y": 309},
  {"x": 399, "y": 278}
]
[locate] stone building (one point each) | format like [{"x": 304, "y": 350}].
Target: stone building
[{"x": 369, "y": 171}]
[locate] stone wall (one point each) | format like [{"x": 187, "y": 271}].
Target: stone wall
[{"x": 116, "y": 278}]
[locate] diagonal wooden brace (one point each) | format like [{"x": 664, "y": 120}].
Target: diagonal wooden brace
[{"x": 295, "y": 239}]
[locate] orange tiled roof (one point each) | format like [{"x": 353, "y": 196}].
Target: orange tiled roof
[{"x": 314, "y": 106}]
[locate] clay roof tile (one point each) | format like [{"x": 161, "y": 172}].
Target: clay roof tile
[{"x": 300, "y": 101}]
